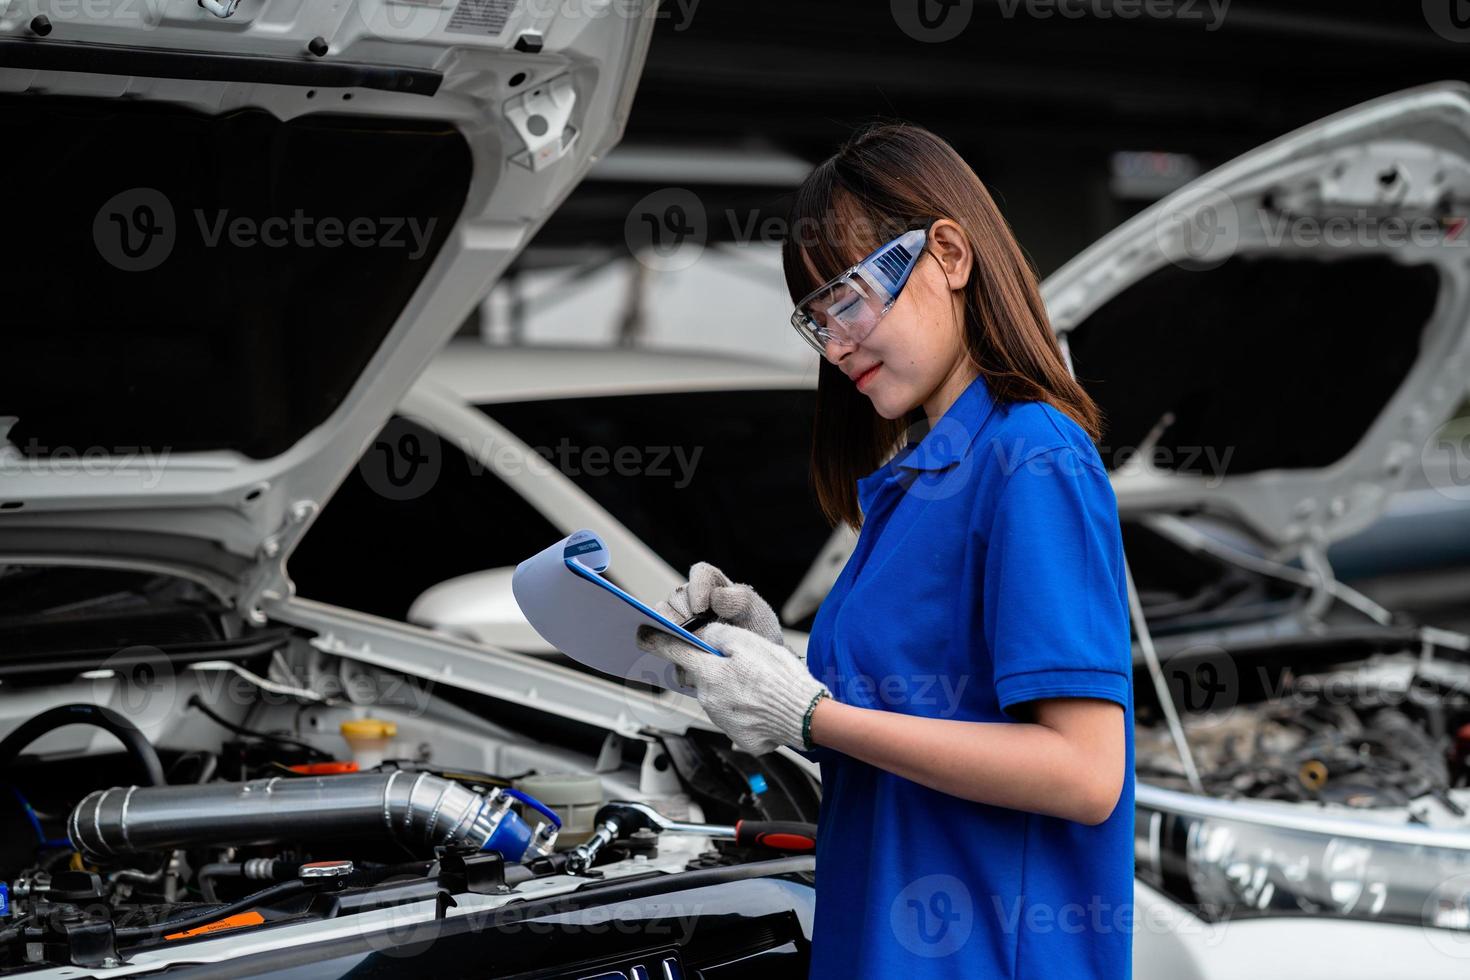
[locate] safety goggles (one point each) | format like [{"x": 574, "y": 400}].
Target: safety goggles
[{"x": 847, "y": 307}]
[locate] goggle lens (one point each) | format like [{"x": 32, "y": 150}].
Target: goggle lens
[{"x": 844, "y": 311}]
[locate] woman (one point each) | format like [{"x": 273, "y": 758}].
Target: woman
[{"x": 967, "y": 686}]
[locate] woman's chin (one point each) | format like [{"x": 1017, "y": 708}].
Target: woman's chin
[{"x": 886, "y": 405}]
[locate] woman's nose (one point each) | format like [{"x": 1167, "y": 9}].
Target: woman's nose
[{"x": 835, "y": 350}]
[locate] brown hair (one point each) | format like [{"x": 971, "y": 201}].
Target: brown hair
[{"x": 884, "y": 180}]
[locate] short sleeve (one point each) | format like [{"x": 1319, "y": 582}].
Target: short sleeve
[
  {"x": 1055, "y": 596},
  {"x": 817, "y": 754}
]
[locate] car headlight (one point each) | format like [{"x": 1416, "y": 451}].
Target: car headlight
[{"x": 1291, "y": 862}]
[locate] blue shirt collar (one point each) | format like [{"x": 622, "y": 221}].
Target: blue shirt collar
[{"x": 945, "y": 444}]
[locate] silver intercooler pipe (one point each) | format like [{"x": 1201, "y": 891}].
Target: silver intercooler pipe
[{"x": 417, "y": 809}]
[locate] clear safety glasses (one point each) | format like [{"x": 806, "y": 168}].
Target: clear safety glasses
[{"x": 847, "y": 307}]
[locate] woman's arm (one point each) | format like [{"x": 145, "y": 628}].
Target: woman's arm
[{"x": 1068, "y": 763}]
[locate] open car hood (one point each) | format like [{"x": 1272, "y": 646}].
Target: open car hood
[
  {"x": 239, "y": 240},
  {"x": 1281, "y": 339}
]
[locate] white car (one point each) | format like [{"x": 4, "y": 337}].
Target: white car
[
  {"x": 1276, "y": 347},
  {"x": 239, "y": 233},
  {"x": 673, "y": 457}
]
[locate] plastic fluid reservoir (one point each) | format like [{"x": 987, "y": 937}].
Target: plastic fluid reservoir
[
  {"x": 368, "y": 740},
  {"x": 576, "y": 798}
]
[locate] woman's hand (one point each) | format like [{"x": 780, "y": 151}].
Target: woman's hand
[
  {"x": 759, "y": 693},
  {"x": 735, "y": 603}
]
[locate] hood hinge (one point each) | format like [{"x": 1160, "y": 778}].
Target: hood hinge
[{"x": 268, "y": 582}]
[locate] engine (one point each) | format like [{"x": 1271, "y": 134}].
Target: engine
[
  {"x": 162, "y": 861},
  {"x": 1375, "y": 732}
]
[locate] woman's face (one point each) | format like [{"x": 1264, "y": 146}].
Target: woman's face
[{"x": 917, "y": 348}]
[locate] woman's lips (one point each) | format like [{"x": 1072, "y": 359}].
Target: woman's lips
[{"x": 867, "y": 376}]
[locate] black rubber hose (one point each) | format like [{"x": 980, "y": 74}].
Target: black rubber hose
[
  {"x": 197, "y": 702},
  {"x": 96, "y": 715},
  {"x": 16, "y": 929},
  {"x": 139, "y": 933},
  {"x": 205, "y": 876}
]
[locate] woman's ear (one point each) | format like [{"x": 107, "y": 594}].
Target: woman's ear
[{"x": 948, "y": 244}]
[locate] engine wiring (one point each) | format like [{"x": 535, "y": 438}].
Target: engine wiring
[{"x": 195, "y": 701}]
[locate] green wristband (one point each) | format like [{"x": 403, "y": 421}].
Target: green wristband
[{"x": 806, "y": 720}]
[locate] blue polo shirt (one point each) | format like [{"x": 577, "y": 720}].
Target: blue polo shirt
[{"x": 988, "y": 573}]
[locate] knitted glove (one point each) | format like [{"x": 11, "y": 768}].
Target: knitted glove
[
  {"x": 735, "y": 603},
  {"x": 759, "y": 693}
]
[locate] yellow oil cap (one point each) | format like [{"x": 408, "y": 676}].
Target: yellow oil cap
[{"x": 369, "y": 728}]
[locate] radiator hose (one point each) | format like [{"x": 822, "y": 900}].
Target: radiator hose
[{"x": 419, "y": 810}]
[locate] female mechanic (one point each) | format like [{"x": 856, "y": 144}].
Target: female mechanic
[{"x": 967, "y": 686}]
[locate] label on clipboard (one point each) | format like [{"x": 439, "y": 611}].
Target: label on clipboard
[{"x": 564, "y": 596}]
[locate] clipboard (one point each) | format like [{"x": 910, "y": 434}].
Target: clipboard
[{"x": 566, "y": 599}]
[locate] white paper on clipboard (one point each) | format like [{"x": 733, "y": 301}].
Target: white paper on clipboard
[{"x": 563, "y": 595}]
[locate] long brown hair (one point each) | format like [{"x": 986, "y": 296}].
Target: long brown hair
[{"x": 885, "y": 179}]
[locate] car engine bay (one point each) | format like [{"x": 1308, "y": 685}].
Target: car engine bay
[
  {"x": 264, "y": 782},
  {"x": 1381, "y": 730}
]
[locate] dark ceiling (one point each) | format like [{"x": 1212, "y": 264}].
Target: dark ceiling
[{"x": 1036, "y": 103}]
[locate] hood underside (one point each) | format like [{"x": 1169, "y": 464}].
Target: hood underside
[
  {"x": 239, "y": 240},
  {"x": 1280, "y": 340}
]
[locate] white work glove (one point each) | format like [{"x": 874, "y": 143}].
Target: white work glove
[
  {"x": 735, "y": 603},
  {"x": 759, "y": 693}
]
